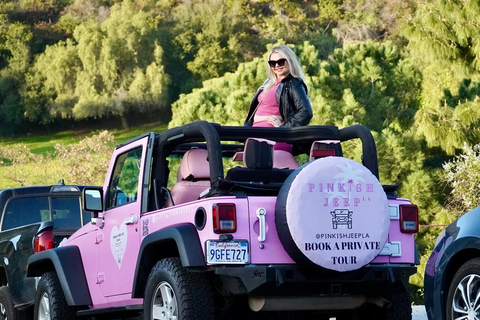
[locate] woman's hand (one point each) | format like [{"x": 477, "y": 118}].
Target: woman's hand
[{"x": 275, "y": 121}]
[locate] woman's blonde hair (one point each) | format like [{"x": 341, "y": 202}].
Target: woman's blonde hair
[{"x": 295, "y": 67}]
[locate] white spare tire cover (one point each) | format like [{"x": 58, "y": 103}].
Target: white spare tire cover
[{"x": 334, "y": 213}]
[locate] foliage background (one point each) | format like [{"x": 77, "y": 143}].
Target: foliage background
[{"x": 408, "y": 70}]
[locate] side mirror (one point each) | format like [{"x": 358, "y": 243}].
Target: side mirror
[{"x": 92, "y": 199}]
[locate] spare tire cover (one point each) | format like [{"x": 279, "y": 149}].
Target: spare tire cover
[{"x": 334, "y": 213}]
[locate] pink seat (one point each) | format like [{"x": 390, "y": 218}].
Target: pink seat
[
  {"x": 193, "y": 176},
  {"x": 284, "y": 160}
]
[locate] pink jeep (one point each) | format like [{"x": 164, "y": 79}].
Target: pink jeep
[{"x": 238, "y": 230}]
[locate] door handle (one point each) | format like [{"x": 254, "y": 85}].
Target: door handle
[
  {"x": 130, "y": 220},
  {"x": 261, "y": 212}
]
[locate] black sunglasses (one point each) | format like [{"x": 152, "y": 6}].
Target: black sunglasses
[{"x": 279, "y": 62}]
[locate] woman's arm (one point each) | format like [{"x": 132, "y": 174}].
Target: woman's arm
[{"x": 301, "y": 108}]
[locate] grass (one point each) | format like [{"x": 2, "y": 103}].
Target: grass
[{"x": 45, "y": 145}]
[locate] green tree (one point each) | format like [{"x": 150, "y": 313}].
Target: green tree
[
  {"x": 110, "y": 69},
  {"x": 453, "y": 119},
  {"x": 446, "y": 33},
  {"x": 297, "y": 21},
  {"x": 15, "y": 59},
  {"x": 443, "y": 40},
  {"x": 54, "y": 76},
  {"x": 361, "y": 20},
  {"x": 223, "y": 100},
  {"x": 366, "y": 83},
  {"x": 212, "y": 35}
]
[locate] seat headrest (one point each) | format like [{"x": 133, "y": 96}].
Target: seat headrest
[
  {"x": 194, "y": 165},
  {"x": 258, "y": 153}
]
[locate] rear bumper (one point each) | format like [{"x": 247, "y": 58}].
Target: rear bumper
[{"x": 265, "y": 280}]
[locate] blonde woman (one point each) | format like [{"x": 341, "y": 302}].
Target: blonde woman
[{"x": 282, "y": 100}]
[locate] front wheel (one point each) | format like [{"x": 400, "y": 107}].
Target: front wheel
[
  {"x": 174, "y": 293},
  {"x": 463, "y": 300},
  {"x": 50, "y": 303},
  {"x": 7, "y": 311}
]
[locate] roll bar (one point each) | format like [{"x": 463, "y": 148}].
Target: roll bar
[
  {"x": 213, "y": 134},
  {"x": 369, "y": 148}
]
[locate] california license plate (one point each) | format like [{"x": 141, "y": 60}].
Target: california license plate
[{"x": 227, "y": 252}]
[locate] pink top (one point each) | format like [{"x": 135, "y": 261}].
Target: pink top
[{"x": 267, "y": 106}]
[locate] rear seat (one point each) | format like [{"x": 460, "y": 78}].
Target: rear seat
[{"x": 193, "y": 176}]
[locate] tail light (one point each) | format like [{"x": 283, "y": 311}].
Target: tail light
[
  {"x": 43, "y": 241},
  {"x": 408, "y": 218},
  {"x": 224, "y": 218}
]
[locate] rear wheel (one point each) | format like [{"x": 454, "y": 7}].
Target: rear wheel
[
  {"x": 401, "y": 307},
  {"x": 50, "y": 303},
  {"x": 173, "y": 293},
  {"x": 463, "y": 300}
]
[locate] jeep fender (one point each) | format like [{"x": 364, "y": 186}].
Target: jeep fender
[
  {"x": 67, "y": 263},
  {"x": 181, "y": 240}
]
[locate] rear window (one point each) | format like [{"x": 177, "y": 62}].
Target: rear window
[
  {"x": 23, "y": 211},
  {"x": 65, "y": 212}
]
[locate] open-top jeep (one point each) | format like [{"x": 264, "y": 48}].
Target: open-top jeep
[{"x": 241, "y": 230}]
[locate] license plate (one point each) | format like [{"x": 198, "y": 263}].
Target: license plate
[{"x": 227, "y": 252}]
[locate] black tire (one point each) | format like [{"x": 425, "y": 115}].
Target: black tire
[
  {"x": 6, "y": 304},
  {"x": 7, "y": 310},
  {"x": 50, "y": 303},
  {"x": 189, "y": 293},
  {"x": 400, "y": 308},
  {"x": 467, "y": 278}
]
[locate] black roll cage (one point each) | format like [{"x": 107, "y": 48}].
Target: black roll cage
[{"x": 203, "y": 134}]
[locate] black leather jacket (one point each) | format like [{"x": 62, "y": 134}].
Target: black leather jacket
[{"x": 292, "y": 100}]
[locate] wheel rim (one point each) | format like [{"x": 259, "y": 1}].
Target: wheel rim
[
  {"x": 44, "y": 307},
  {"x": 164, "y": 303},
  {"x": 466, "y": 299}
]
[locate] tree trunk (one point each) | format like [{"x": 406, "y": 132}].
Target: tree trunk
[{"x": 124, "y": 122}]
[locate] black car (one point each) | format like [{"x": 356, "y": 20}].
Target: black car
[
  {"x": 32, "y": 219},
  {"x": 452, "y": 274}
]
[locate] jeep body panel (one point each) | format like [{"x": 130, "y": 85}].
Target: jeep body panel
[
  {"x": 179, "y": 239},
  {"x": 67, "y": 263}
]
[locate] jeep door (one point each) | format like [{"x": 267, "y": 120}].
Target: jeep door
[{"x": 119, "y": 238}]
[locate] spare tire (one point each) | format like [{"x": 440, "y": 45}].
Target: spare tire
[{"x": 332, "y": 212}]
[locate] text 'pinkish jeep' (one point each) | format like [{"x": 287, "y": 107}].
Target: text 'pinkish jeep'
[{"x": 206, "y": 221}]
